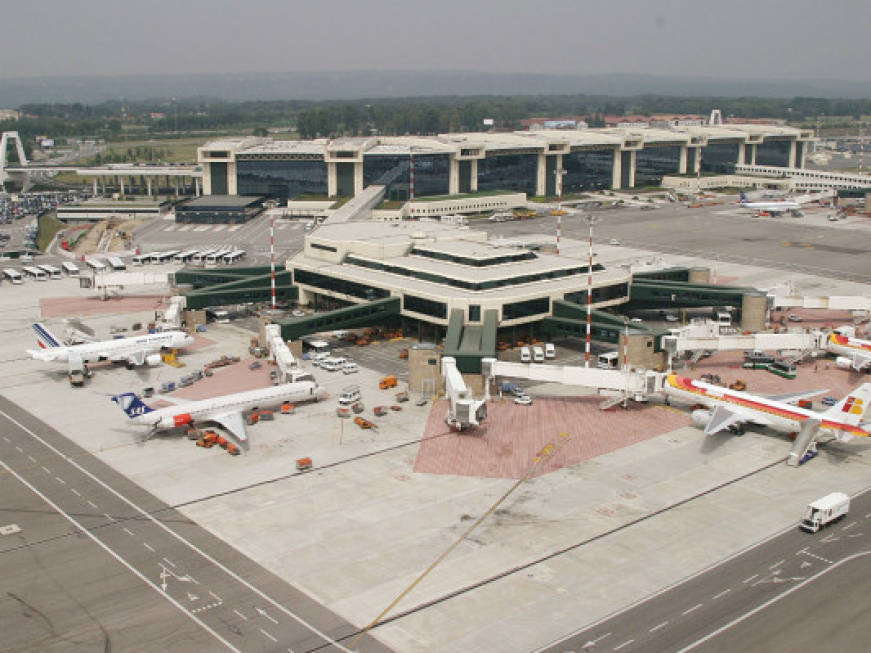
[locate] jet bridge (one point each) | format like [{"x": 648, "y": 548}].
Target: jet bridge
[{"x": 465, "y": 411}]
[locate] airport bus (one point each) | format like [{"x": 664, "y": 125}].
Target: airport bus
[
  {"x": 70, "y": 269},
  {"x": 185, "y": 256},
  {"x": 234, "y": 256},
  {"x": 51, "y": 271},
  {"x": 34, "y": 273},
  {"x": 116, "y": 264},
  {"x": 200, "y": 257},
  {"x": 14, "y": 276},
  {"x": 140, "y": 259},
  {"x": 165, "y": 257},
  {"x": 94, "y": 264},
  {"x": 782, "y": 368},
  {"x": 216, "y": 256}
]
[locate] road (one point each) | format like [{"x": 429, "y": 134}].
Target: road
[
  {"x": 92, "y": 560},
  {"x": 795, "y": 591},
  {"x": 718, "y": 234}
]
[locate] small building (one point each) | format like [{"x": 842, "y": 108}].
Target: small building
[
  {"x": 219, "y": 209},
  {"x": 103, "y": 209}
]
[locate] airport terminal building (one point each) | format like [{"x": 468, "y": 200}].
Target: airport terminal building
[{"x": 523, "y": 161}]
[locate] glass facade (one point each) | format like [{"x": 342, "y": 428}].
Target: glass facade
[
  {"x": 425, "y": 306},
  {"x": 600, "y": 294},
  {"x": 772, "y": 153},
  {"x": 474, "y": 313},
  {"x": 517, "y": 310},
  {"x": 352, "y": 288},
  {"x": 218, "y": 174},
  {"x": 652, "y": 163},
  {"x": 515, "y": 172},
  {"x": 720, "y": 157},
  {"x": 431, "y": 174},
  {"x": 281, "y": 179},
  {"x": 587, "y": 170},
  {"x": 474, "y": 262}
]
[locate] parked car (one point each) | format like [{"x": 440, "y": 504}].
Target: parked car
[
  {"x": 613, "y": 241},
  {"x": 829, "y": 401},
  {"x": 523, "y": 400},
  {"x": 792, "y": 317}
]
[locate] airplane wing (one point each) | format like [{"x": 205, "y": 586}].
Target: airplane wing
[
  {"x": 232, "y": 421},
  {"x": 791, "y": 398},
  {"x": 134, "y": 356},
  {"x": 861, "y": 361},
  {"x": 723, "y": 418}
]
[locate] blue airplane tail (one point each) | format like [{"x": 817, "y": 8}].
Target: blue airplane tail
[
  {"x": 44, "y": 338},
  {"x": 131, "y": 404},
  {"x": 741, "y": 196}
]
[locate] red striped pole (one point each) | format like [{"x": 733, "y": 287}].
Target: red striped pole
[
  {"x": 272, "y": 252},
  {"x": 411, "y": 175},
  {"x": 590, "y": 220}
]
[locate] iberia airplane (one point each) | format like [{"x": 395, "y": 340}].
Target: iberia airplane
[
  {"x": 725, "y": 408},
  {"x": 853, "y": 353}
]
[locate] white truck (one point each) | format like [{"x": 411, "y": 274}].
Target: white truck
[{"x": 825, "y": 510}]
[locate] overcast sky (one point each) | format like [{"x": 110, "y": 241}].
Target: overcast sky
[{"x": 725, "y": 38}]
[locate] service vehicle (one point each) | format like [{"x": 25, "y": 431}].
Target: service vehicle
[
  {"x": 525, "y": 355},
  {"x": 825, "y": 510},
  {"x": 549, "y": 350},
  {"x": 537, "y": 355}
]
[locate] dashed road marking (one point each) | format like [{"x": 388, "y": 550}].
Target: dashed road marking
[
  {"x": 168, "y": 561},
  {"x": 108, "y": 516},
  {"x": 60, "y": 480},
  {"x": 7, "y": 439},
  {"x": 813, "y": 555},
  {"x": 148, "y": 546},
  {"x": 75, "y": 491},
  {"x": 20, "y": 450},
  {"x": 45, "y": 469},
  {"x": 217, "y": 598},
  {"x": 655, "y": 628},
  {"x": 626, "y": 643},
  {"x": 92, "y": 504},
  {"x": 130, "y": 533},
  {"x": 721, "y": 594},
  {"x": 849, "y": 526},
  {"x": 692, "y": 609},
  {"x": 747, "y": 580},
  {"x": 777, "y": 564},
  {"x": 275, "y": 640},
  {"x": 31, "y": 459},
  {"x": 243, "y": 617}
]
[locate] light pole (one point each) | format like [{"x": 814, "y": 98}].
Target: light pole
[
  {"x": 559, "y": 173},
  {"x": 591, "y": 220}
]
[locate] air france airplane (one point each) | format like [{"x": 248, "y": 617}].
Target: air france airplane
[
  {"x": 725, "y": 408},
  {"x": 225, "y": 410},
  {"x": 132, "y": 351}
]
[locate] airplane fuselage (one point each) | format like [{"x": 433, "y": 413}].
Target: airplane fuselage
[
  {"x": 107, "y": 349},
  {"x": 847, "y": 346}
]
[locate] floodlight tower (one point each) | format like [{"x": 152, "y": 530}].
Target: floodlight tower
[
  {"x": 559, "y": 173},
  {"x": 591, "y": 220}
]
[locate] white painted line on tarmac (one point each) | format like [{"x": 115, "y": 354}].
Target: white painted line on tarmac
[
  {"x": 108, "y": 516},
  {"x": 168, "y": 561},
  {"x": 45, "y": 469},
  {"x": 626, "y": 643},
  {"x": 769, "y": 602},
  {"x": 20, "y": 450},
  {"x": 747, "y": 580},
  {"x": 849, "y": 526},
  {"x": 720, "y": 595},
  {"x": 128, "y": 531},
  {"x": 265, "y": 614},
  {"x": 777, "y": 564},
  {"x": 92, "y": 504},
  {"x": 60, "y": 480},
  {"x": 148, "y": 546},
  {"x": 217, "y": 598},
  {"x": 236, "y": 577},
  {"x": 112, "y": 553},
  {"x": 244, "y": 618},
  {"x": 7, "y": 439},
  {"x": 268, "y": 635},
  {"x": 31, "y": 459},
  {"x": 692, "y": 609},
  {"x": 655, "y": 628},
  {"x": 75, "y": 491},
  {"x": 812, "y": 555}
]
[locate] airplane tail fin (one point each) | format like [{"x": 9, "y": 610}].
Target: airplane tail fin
[
  {"x": 44, "y": 338},
  {"x": 741, "y": 196},
  {"x": 131, "y": 404},
  {"x": 853, "y": 408}
]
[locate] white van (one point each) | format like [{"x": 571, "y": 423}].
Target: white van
[
  {"x": 825, "y": 510},
  {"x": 350, "y": 367},
  {"x": 549, "y": 350},
  {"x": 537, "y": 355},
  {"x": 525, "y": 355}
]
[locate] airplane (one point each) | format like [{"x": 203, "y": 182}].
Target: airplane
[
  {"x": 225, "y": 410},
  {"x": 133, "y": 351},
  {"x": 731, "y": 409},
  {"x": 854, "y": 353},
  {"x": 774, "y": 208}
]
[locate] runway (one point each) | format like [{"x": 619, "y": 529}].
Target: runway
[{"x": 93, "y": 561}]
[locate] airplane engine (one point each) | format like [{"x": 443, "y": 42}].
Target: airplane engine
[
  {"x": 172, "y": 421},
  {"x": 844, "y": 362},
  {"x": 701, "y": 418},
  {"x": 152, "y": 360}
]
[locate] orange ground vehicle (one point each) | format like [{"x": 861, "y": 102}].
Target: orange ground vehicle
[
  {"x": 404, "y": 353},
  {"x": 388, "y": 382},
  {"x": 363, "y": 423}
]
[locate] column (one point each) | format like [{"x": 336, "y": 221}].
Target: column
[
  {"x": 332, "y": 180},
  {"x": 741, "y": 151},
  {"x": 358, "y": 177},
  {"x": 801, "y": 160},
  {"x": 231, "y": 179},
  {"x": 682, "y": 160},
  {"x": 196, "y": 187},
  {"x": 175, "y": 184},
  {"x": 632, "y": 156},
  {"x": 558, "y": 182},
  {"x": 207, "y": 178},
  {"x": 148, "y": 185},
  {"x": 95, "y": 186},
  {"x": 790, "y": 159},
  {"x": 541, "y": 176},
  {"x": 454, "y": 177},
  {"x": 616, "y": 169},
  {"x": 753, "y": 154},
  {"x": 121, "y": 183},
  {"x": 473, "y": 176}
]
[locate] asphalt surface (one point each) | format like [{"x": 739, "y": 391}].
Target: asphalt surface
[
  {"x": 93, "y": 562},
  {"x": 795, "y": 591},
  {"x": 717, "y": 234}
]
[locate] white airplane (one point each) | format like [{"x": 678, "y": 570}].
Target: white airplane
[
  {"x": 773, "y": 207},
  {"x": 853, "y": 353},
  {"x": 225, "y": 410},
  {"x": 725, "y": 408},
  {"x": 133, "y": 351}
]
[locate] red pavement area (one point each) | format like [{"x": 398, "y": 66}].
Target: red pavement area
[
  {"x": 505, "y": 446},
  {"x": 227, "y": 380},
  {"x": 82, "y": 306},
  {"x": 812, "y": 318}
]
